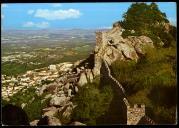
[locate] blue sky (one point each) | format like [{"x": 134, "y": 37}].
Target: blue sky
[{"x": 70, "y": 15}]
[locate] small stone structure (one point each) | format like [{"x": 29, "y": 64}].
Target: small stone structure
[{"x": 135, "y": 113}]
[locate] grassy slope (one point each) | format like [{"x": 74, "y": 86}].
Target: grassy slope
[{"x": 152, "y": 80}]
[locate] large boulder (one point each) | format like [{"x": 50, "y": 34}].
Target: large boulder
[
  {"x": 50, "y": 111},
  {"x": 47, "y": 96},
  {"x": 146, "y": 40},
  {"x": 139, "y": 43},
  {"x": 128, "y": 51},
  {"x": 110, "y": 46},
  {"x": 66, "y": 112},
  {"x": 76, "y": 89},
  {"x": 53, "y": 121},
  {"x": 58, "y": 101},
  {"x": 49, "y": 121},
  {"x": 60, "y": 93},
  {"x": 51, "y": 88},
  {"x": 69, "y": 93},
  {"x": 34, "y": 123},
  {"x": 76, "y": 123},
  {"x": 66, "y": 87},
  {"x": 89, "y": 75},
  {"x": 83, "y": 79}
]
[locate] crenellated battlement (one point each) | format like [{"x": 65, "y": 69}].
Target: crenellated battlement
[
  {"x": 135, "y": 113},
  {"x": 137, "y": 106}
]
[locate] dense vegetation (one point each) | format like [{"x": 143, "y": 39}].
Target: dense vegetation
[
  {"x": 147, "y": 19},
  {"x": 92, "y": 102},
  {"x": 152, "y": 80},
  {"x": 34, "y": 104}
]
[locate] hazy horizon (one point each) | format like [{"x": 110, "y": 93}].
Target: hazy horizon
[{"x": 13, "y": 29}]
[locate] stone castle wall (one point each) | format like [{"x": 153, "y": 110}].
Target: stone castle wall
[
  {"x": 110, "y": 46},
  {"x": 133, "y": 113}
]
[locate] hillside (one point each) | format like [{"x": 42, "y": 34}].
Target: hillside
[{"x": 129, "y": 78}]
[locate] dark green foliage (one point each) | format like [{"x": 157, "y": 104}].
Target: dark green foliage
[
  {"x": 142, "y": 15},
  {"x": 128, "y": 33},
  {"x": 92, "y": 103},
  {"x": 157, "y": 41},
  {"x": 34, "y": 106},
  {"x": 4, "y": 102},
  {"x": 13, "y": 68},
  {"x": 34, "y": 109},
  {"x": 173, "y": 31},
  {"x": 63, "y": 119},
  {"x": 46, "y": 82},
  {"x": 166, "y": 96},
  {"x": 148, "y": 20},
  {"x": 152, "y": 81},
  {"x": 23, "y": 97}
]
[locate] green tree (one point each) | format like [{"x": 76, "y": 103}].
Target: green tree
[
  {"x": 140, "y": 16},
  {"x": 148, "y": 20}
]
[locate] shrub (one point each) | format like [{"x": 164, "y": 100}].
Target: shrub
[
  {"x": 127, "y": 33},
  {"x": 33, "y": 108},
  {"x": 148, "y": 20},
  {"x": 92, "y": 103},
  {"x": 152, "y": 80}
]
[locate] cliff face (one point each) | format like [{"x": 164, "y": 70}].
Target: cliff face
[{"x": 110, "y": 46}]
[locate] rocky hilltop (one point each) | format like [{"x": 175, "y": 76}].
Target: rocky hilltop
[{"x": 110, "y": 46}]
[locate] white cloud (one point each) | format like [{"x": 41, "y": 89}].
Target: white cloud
[
  {"x": 4, "y": 5},
  {"x": 31, "y": 24},
  {"x": 57, "y": 14},
  {"x": 56, "y": 5},
  {"x": 30, "y": 12}
]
